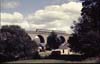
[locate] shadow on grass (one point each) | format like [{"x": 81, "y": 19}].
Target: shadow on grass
[{"x": 66, "y": 57}]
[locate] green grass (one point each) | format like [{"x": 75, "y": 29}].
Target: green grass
[
  {"x": 51, "y": 61},
  {"x": 44, "y": 54}
]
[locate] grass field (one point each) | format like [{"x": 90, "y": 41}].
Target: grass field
[{"x": 50, "y": 61}]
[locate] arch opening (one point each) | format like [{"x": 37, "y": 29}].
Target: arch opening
[{"x": 41, "y": 38}]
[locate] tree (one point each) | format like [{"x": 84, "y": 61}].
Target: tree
[
  {"x": 15, "y": 43},
  {"x": 53, "y": 42},
  {"x": 86, "y": 36},
  {"x": 62, "y": 39}
]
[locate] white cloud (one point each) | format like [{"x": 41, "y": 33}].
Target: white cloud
[
  {"x": 14, "y": 17},
  {"x": 23, "y": 24},
  {"x": 57, "y": 17},
  {"x": 10, "y": 4}
]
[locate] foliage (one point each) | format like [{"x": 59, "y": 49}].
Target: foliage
[
  {"x": 15, "y": 43},
  {"x": 86, "y": 36},
  {"x": 53, "y": 42}
]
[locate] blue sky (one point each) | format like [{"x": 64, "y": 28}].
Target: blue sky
[
  {"x": 48, "y": 14},
  {"x": 30, "y": 6}
]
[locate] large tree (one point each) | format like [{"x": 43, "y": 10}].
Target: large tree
[
  {"x": 86, "y": 36},
  {"x": 53, "y": 42},
  {"x": 15, "y": 43}
]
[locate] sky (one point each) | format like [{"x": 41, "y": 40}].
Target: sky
[{"x": 40, "y": 14}]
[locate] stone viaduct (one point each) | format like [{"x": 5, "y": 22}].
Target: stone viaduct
[{"x": 43, "y": 34}]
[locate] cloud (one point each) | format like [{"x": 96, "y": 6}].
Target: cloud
[
  {"x": 13, "y": 18},
  {"x": 24, "y": 24},
  {"x": 56, "y": 17},
  {"x": 9, "y": 4}
]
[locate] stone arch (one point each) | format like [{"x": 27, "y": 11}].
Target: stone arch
[{"x": 42, "y": 40}]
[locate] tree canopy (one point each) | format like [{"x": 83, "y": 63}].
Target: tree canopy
[
  {"x": 53, "y": 42},
  {"x": 15, "y": 43},
  {"x": 86, "y": 36}
]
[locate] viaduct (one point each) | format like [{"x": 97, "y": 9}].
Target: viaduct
[{"x": 44, "y": 33}]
